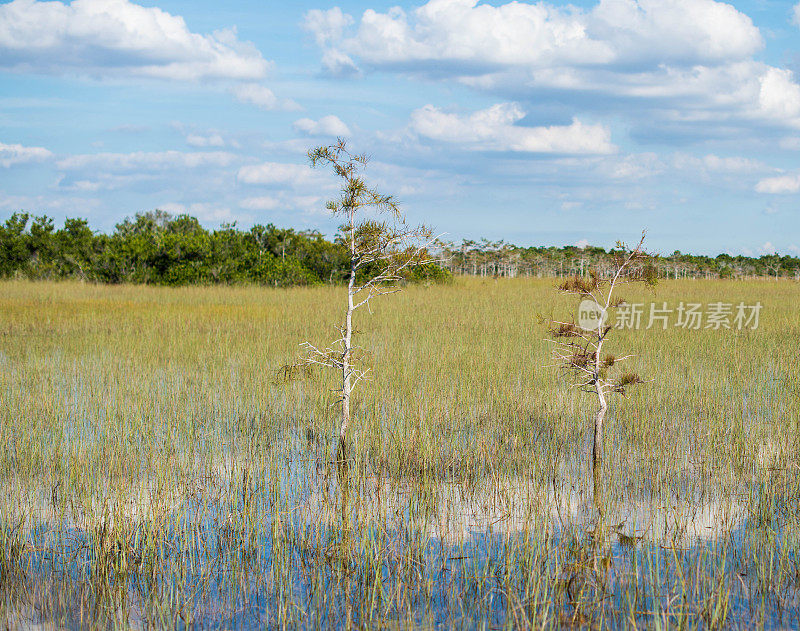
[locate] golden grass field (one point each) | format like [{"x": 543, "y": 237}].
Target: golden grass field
[{"x": 159, "y": 472}]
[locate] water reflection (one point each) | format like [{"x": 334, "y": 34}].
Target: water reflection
[{"x": 297, "y": 542}]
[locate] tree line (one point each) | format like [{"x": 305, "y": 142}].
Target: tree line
[
  {"x": 156, "y": 247},
  {"x": 162, "y": 249},
  {"x": 487, "y": 258}
]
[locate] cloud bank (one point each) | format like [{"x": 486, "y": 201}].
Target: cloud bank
[
  {"x": 789, "y": 183},
  {"x": 11, "y": 155},
  {"x": 110, "y": 38},
  {"x": 495, "y": 129},
  {"x": 325, "y": 126},
  {"x": 690, "y": 61}
]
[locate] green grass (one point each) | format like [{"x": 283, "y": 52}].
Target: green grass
[{"x": 156, "y": 468}]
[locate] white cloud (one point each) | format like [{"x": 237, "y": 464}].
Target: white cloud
[
  {"x": 789, "y": 183},
  {"x": 327, "y": 27},
  {"x": 495, "y": 128},
  {"x": 11, "y": 155},
  {"x": 689, "y": 60},
  {"x": 543, "y": 35},
  {"x": 339, "y": 64},
  {"x": 674, "y": 31},
  {"x": 119, "y": 38},
  {"x": 262, "y": 97},
  {"x": 712, "y": 163},
  {"x": 285, "y": 201},
  {"x": 325, "y": 126},
  {"x": 733, "y": 92},
  {"x": 767, "y": 248},
  {"x": 211, "y": 140},
  {"x": 277, "y": 173},
  {"x": 634, "y": 166},
  {"x": 793, "y": 248},
  {"x": 98, "y": 181},
  {"x": 796, "y": 14},
  {"x": 260, "y": 203},
  {"x": 147, "y": 161},
  {"x": 582, "y": 244},
  {"x": 732, "y": 164},
  {"x": 205, "y": 212},
  {"x": 779, "y": 96}
]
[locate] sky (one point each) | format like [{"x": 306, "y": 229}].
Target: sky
[{"x": 540, "y": 123}]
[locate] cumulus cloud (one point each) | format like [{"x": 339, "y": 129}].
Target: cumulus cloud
[
  {"x": 779, "y": 95},
  {"x": 119, "y": 38},
  {"x": 733, "y": 164},
  {"x": 796, "y": 14},
  {"x": 99, "y": 181},
  {"x": 211, "y": 140},
  {"x": 717, "y": 164},
  {"x": 327, "y": 27},
  {"x": 339, "y": 64},
  {"x": 635, "y": 166},
  {"x": 284, "y": 201},
  {"x": 480, "y": 35},
  {"x": 11, "y": 155},
  {"x": 147, "y": 161},
  {"x": 260, "y": 203},
  {"x": 277, "y": 173},
  {"x": 789, "y": 183},
  {"x": 689, "y": 60},
  {"x": 261, "y": 96},
  {"x": 325, "y": 126},
  {"x": 495, "y": 129}
]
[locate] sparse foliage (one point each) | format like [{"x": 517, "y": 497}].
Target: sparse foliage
[
  {"x": 381, "y": 248},
  {"x": 579, "y": 347}
]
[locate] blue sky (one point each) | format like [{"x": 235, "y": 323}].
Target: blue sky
[{"x": 538, "y": 123}]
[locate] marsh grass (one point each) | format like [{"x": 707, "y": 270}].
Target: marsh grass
[{"x": 158, "y": 471}]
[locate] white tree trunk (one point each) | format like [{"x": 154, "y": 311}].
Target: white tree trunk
[
  {"x": 347, "y": 338},
  {"x": 597, "y": 445},
  {"x": 348, "y": 335}
]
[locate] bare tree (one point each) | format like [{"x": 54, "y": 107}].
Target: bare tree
[
  {"x": 579, "y": 347},
  {"x": 381, "y": 253}
]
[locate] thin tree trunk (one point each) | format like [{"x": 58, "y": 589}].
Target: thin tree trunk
[
  {"x": 597, "y": 447},
  {"x": 597, "y": 490},
  {"x": 346, "y": 385},
  {"x": 348, "y": 335}
]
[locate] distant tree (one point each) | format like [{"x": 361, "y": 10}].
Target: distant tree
[
  {"x": 14, "y": 245},
  {"x": 76, "y": 248},
  {"x": 379, "y": 255},
  {"x": 579, "y": 347}
]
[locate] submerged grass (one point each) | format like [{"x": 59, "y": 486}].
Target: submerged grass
[{"x": 159, "y": 471}]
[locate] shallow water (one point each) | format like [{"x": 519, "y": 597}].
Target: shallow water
[{"x": 291, "y": 542}]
